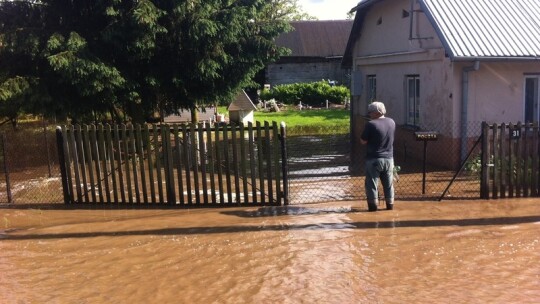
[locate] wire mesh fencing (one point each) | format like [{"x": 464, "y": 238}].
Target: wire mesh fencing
[
  {"x": 29, "y": 171},
  {"x": 324, "y": 167}
]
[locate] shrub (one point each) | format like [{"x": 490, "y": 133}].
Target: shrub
[
  {"x": 474, "y": 165},
  {"x": 312, "y": 94}
]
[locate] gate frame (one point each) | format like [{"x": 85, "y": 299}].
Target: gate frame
[{"x": 278, "y": 193}]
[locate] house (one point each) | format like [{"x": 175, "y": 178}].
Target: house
[
  {"x": 445, "y": 65},
  {"x": 317, "y": 48},
  {"x": 241, "y": 109}
]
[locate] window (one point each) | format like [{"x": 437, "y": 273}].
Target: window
[
  {"x": 532, "y": 113},
  {"x": 413, "y": 100},
  {"x": 371, "y": 87}
]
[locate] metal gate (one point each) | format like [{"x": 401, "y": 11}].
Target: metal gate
[{"x": 174, "y": 165}]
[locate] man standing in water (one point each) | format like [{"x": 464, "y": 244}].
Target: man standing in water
[{"x": 378, "y": 135}]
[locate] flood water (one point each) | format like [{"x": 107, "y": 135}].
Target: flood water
[{"x": 422, "y": 252}]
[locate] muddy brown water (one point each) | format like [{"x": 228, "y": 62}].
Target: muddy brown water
[{"x": 422, "y": 252}]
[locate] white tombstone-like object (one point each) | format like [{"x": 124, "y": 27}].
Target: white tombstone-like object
[{"x": 241, "y": 109}]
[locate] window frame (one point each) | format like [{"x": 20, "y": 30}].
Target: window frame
[
  {"x": 528, "y": 106},
  {"x": 412, "y": 120},
  {"x": 371, "y": 88}
]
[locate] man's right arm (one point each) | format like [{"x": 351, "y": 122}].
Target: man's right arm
[{"x": 364, "y": 137}]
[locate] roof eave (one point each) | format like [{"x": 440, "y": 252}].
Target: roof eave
[
  {"x": 494, "y": 58},
  {"x": 363, "y": 4}
]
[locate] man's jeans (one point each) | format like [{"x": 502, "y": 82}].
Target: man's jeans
[{"x": 382, "y": 168}]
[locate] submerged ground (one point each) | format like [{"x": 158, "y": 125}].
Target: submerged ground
[{"x": 423, "y": 252}]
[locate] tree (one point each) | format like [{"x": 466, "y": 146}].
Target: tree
[
  {"x": 217, "y": 50},
  {"x": 83, "y": 58},
  {"x": 78, "y": 55},
  {"x": 288, "y": 10}
]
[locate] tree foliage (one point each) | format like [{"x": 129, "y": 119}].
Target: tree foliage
[
  {"x": 287, "y": 10},
  {"x": 81, "y": 58}
]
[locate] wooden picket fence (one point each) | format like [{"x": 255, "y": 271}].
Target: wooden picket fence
[
  {"x": 180, "y": 165},
  {"x": 510, "y": 160}
]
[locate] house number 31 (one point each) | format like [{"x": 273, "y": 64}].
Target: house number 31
[{"x": 516, "y": 133}]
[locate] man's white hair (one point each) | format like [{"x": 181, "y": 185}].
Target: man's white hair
[{"x": 377, "y": 106}]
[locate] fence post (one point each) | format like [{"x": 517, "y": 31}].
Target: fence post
[
  {"x": 62, "y": 163},
  {"x": 168, "y": 167},
  {"x": 47, "y": 146},
  {"x": 535, "y": 166},
  {"x": 284, "y": 164},
  {"x": 484, "y": 180},
  {"x": 6, "y": 170}
]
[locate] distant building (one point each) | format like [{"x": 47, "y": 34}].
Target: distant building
[{"x": 317, "y": 48}]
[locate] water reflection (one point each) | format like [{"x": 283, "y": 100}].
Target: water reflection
[{"x": 330, "y": 253}]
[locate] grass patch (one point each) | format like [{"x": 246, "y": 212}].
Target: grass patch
[
  {"x": 307, "y": 122},
  {"x": 310, "y": 122}
]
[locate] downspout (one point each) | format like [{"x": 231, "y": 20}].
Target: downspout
[
  {"x": 465, "y": 105},
  {"x": 411, "y": 16}
]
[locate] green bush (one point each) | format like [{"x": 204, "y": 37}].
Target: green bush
[
  {"x": 312, "y": 94},
  {"x": 474, "y": 166}
]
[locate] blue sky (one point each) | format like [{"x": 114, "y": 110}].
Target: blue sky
[{"x": 328, "y": 9}]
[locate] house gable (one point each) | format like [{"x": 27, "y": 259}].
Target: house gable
[
  {"x": 392, "y": 46},
  {"x": 468, "y": 29},
  {"x": 383, "y": 28}
]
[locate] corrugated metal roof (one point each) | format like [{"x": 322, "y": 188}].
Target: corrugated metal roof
[
  {"x": 507, "y": 29},
  {"x": 317, "y": 38}
]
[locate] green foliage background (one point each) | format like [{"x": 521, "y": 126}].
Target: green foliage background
[
  {"x": 313, "y": 93},
  {"x": 310, "y": 122},
  {"x": 128, "y": 59}
]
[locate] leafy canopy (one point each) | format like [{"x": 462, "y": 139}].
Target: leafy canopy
[{"x": 82, "y": 58}]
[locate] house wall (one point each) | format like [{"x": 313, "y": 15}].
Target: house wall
[
  {"x": 247, "y": 117},
  {"x": 436, "y": 85},
  {"x": 391, "y": 49},
  {"x": 241, "y": 116},
  {"x": 234, "y": 116},
  {"x": 384, "y": 49},
  {"x": 496, "y": 90},
  {"x": 298, "y": 72}
]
